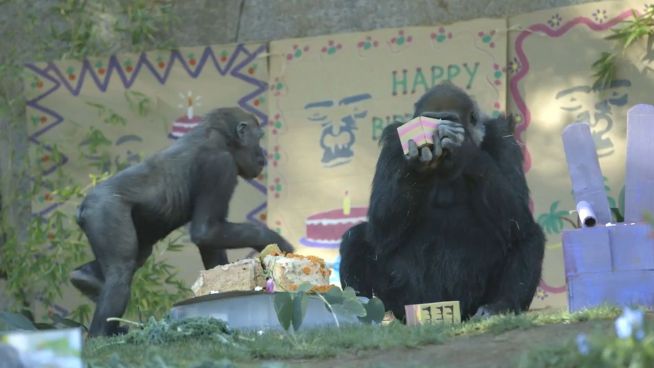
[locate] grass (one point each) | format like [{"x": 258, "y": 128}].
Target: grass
[
  {"x": 605, "y": 350},
  {"x": 207, "y": 347}
]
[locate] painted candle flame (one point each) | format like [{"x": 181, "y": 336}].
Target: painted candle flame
[
  {"x": 188, "y": 103},
  {"x": 347, "y": 203}
]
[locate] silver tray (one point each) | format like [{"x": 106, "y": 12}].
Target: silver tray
[{"x": 254, "y": 310}]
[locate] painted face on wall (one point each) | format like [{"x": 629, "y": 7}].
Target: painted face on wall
[{"x": 338, "y": 119}]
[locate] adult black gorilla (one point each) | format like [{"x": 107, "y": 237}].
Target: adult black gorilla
[
  {"x": 451, "y": 221},
  {"x": 192, "y": 180}
]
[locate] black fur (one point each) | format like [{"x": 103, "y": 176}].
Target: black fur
[
  {"x": 192, "y": 180},
  {"x": 461, "y": 230}
]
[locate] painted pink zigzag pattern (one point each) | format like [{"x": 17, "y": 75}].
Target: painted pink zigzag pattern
[
  {"x": 518, "y": 99},
  {"x": 524, "y": 62}
]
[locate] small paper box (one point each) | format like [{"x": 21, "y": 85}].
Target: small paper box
[
  {"x": 586, "y": 250},
  {"x": 433, "y": 313},
  {"x": 420, "y": 130}
]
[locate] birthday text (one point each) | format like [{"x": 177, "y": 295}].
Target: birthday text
[
  {"x": 420, "y": 80},
  {"x": 381, "y": 122}
]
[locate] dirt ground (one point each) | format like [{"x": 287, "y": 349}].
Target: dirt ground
[{"x": 483, "y": 351}]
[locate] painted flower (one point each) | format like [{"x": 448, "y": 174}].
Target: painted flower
[
  {"x": 513, "y": 66},
  {"x": 555, "y": 21},
  {"x": 582, "y": 344},
  {"x": 600, "y": 15},
  {"x": 629, "y": 324}
]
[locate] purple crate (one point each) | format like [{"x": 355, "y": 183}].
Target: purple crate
[
  {"x": 632, "y": 247},
  {"x": 621, "y": 288},
  {"x": 584, "y": 170},
  {"x": 586, "y": 250},
  {"x": 639, "y": 181},
  {"x": 611, "y": 264}
]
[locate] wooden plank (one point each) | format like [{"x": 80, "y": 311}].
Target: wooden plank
[
  {"x": 585, "y": 173},
  {"x": 639, "y": 181},
  {"x": 586, "y": 250}
]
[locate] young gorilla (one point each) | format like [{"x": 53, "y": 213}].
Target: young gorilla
[
  {"x": 450, "y": 221},
  {"x": 192, "y": 180}
]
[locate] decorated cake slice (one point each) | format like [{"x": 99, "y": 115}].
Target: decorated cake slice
[
  {"x": 246, "y": 274},
  {"x": 291, "y": 270},
  {"x": 286, "y": 272}
]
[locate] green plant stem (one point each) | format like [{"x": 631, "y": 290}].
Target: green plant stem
[
  {"x": 111, "y": 319},
  {"x": 331, "y": 310}
]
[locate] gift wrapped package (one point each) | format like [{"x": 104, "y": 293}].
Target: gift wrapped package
[{"x": 419, "y": 129}]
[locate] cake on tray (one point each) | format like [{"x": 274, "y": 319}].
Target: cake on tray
[{"x": 287, "y": 272}]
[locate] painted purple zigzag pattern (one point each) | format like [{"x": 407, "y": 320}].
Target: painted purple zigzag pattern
[{"x": 52, "y": 72}]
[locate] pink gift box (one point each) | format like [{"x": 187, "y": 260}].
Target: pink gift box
[{"x": 420, "y": 130}]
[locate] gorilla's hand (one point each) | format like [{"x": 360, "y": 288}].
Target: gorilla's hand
[
  {"x": 447, "y": 136},
  {"x": 284, "y": 245}
]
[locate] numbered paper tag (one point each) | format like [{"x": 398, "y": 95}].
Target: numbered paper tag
[{"x": 433, "y": 313}]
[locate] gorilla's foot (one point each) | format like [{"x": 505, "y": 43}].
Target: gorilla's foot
[{"x": 87, "y": 283}]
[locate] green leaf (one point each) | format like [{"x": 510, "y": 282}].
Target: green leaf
[
  {"x": 14, "y": 321},
  {"x": 334, "y": 296},
  {"x": 616, "y": 213},
  {"x": 649, "y": 218},
  {"x": 45, "y": 326},
  {"x": 349, "y": 293},
  {"x": 374, "y": 311},
  {"x": 67, "y": 322},
  {"x": 284, "y": 308},
  {"x": 350, "y": 307},
  {"x": 299, "y": 309}
]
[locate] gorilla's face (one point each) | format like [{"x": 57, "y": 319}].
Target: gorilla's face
[
  {"x": 448, "y": 102},
  {"x": 249, "y": 157}
]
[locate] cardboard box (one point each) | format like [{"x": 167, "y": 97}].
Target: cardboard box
[
  {"x": 587, "y": 250},
  {"x": 433, "y": 313},
  {"x": 619, "y": 288},
  {"x": 420, "y": 129},
  {"x": 621, "y": 274}
]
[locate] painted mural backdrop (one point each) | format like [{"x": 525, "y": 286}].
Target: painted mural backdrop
[
  {"x": 327, "y": 100},
  {"x": 550, "y": 86},
  {"x": 330, "y": 99},
  {"x": 105, "y": 114}
]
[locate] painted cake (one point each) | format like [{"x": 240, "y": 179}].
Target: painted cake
[
  {"x": 183, "y": 124},
  {"x": 325, "y": 229},
  {"x": 189, "y": 120}
]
